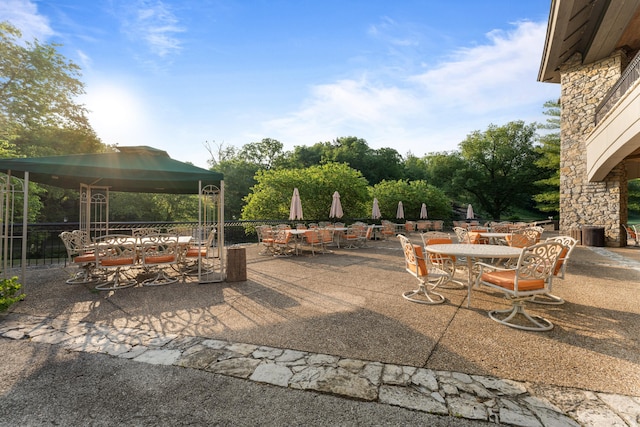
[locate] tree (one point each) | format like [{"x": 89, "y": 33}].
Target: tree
[
  {"x": 270, "y": 198},
  {"x": 412, "y": 194},
  {"x": 239, "y": 177},
  {"x": 500, "y": 166},
  {"x": 548, "y": 199},
  {"x": 39, "y": 115},
  {"x": 38, "y": 86},
  {"x": 266, "y": 153}
]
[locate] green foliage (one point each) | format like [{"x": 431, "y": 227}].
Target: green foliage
[
  {"x": 152, "y": 207},
  {"x": 412, "y": 194},
  {"x": 38, "y": 86},
  {"x": 270, "y": 198},
  {"x": 634, "y": 195},
  {"x": 9, "y": 289},
  {"x": 499, "y": 164},
  {"x": 238, "y": 180},
  {"x": 548, "y": 199},
  {"x": 375, "y": 165}
]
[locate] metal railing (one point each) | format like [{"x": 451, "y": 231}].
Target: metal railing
[
  {"x": 628, "y": 78},
  {"x": 45, "y": 247}
]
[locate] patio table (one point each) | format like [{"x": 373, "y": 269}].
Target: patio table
[{"x": 474, "y": 252}]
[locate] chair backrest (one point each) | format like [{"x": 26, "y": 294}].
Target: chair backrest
[
  {"x": 159, "y": 248},
  {"x": 462, "y": 234},
  {"x": 536, "y": 265},
  {"x": 413, "y": 257},
  {"x": 630, "y": 230},
  {"x": 435, "y": 237},
  {"x": 312, "y": 236},
  {"x": 115, "y": 250},
  {"x": 70, "y": 244},
  {"x": 523, "y": 237},
  {"x": 326, "y": 235},
  {"x": 569, "y": 244}
]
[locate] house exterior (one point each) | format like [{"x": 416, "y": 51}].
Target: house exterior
[{"x": 591, "y": 50}]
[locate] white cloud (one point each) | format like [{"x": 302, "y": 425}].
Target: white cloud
[
  {"x": 23, "y": 14},
  {"x": 492, "y": 83},
  {"x": 154, "y": 24}
]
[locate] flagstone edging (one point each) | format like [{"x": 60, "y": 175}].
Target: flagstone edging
[{"x": 444, "y": 393}]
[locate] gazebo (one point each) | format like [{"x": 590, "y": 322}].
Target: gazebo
[{"x": 138, "y": 169}]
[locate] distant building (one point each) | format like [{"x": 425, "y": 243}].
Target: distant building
[{"x": 591, "y": 49}]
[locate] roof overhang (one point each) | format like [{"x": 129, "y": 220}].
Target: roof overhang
[
  {"x": 593, "y": 28},
  {"x": 131, "y": 169}
]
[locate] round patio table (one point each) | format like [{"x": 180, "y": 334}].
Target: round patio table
[{"x": 474, "y": 252}]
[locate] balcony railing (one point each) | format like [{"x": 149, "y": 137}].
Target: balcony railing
[{"x": 628, "y": 78}]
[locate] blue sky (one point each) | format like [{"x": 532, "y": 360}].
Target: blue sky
[{"x": 414, "y": 75}]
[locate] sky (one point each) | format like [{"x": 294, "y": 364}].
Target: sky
[{"x": 417, "y": 76}]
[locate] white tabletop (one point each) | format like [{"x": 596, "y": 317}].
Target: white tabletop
[
  {"x": 491, "y": 234},
  {"x": 475, "y": 251}
]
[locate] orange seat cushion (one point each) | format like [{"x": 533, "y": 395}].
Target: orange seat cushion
[
  {"x": 475, "y": 238},
  {"x": 558, "y": 267},
  {"x": 117, "y": 261},
  {"x": 85, "y": 258},
  {"x": 160, "y": 259},
  {"x": 194, "y": 252},
  {"x": 422, "y": 266},
  {"x": 505, "y": 279}
]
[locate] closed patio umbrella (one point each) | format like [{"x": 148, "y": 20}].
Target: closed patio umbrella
[
  {"x": 423, "y": 211},
  {"x": 400, "y": 211},
  {"x": 375, "y": 212},
  {"x": 470, "y": 214},
  {"x": 295, "y": 212},
  {"x": 336, "y": 206}
]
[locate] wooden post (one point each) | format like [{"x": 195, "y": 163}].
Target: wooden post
[{"x": 236, "y": 264}]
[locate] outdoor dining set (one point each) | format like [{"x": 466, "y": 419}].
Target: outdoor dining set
[
  {"x": 517, "y": 263},
  {"x": 283, "y": 240},
  {"x": 149, "y": 257}
]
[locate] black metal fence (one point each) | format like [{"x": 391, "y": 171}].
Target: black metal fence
[{"x": 44, "y": 246}]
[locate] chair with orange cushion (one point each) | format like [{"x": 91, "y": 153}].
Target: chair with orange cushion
[
  {"x": 446, "y": 263},
  {"x": 198, "y": 256},
  {"x": 80, "y": 253},
  {"x": 313, "y": 239},
  {"x": 429, "y": 275},
  {"x": 569, "y": 244},
  {"x": 531, "y": 276},
  {"x": 156, "y": 252},
  {"x": 631, "y": 234},
  {"x": 354, "y": 237},
  {"x": 116, "y": 254}
]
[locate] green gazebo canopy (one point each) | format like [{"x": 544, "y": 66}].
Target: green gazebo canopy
[{"x": 132, "y": 169}]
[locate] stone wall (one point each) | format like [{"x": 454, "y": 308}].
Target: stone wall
[{"x": 582, "y": 202}]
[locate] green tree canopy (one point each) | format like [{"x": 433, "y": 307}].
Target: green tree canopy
[
  {"x": 412, "y": 194},
  {"x": 500, "y": 166},
  {"x": 38, "y": 86},
  {"x": 270, "y": 198},
  {"x": 548, "y": 199}
]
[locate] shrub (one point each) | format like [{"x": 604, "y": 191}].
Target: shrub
[{"x": 8, "y": 290}]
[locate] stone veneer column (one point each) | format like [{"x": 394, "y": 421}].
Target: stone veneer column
[{"x": 582, "y": 202}]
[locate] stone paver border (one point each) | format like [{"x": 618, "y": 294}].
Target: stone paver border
[{"x": 444, "y": 393}]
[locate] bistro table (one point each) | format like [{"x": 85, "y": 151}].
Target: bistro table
[{"x": 474, "y": 252}]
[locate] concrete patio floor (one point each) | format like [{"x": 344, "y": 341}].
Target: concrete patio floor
[{"x": 348, "y": 303}]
